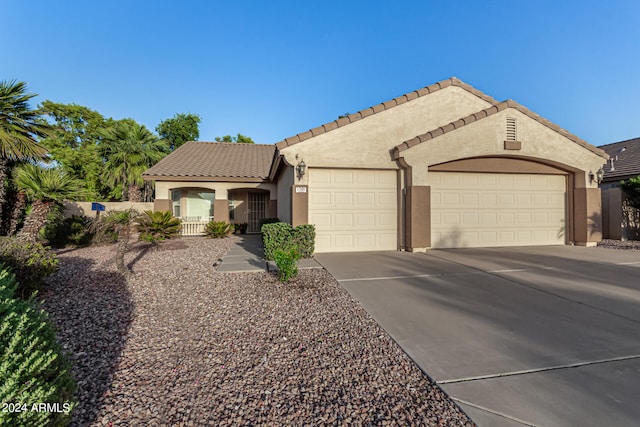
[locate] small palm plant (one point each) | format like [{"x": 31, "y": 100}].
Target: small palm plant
[
  {"x": 121, "y": 222},
  {"x": 45, "y": 189},
  {"x": 157, "y": 226},
  {"x": 218, "y": 229}
]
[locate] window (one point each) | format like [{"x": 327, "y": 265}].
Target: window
[
  {"x": 175, "y": 202},
  {"x": 200, "y": 204}
]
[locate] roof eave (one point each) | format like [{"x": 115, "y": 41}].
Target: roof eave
[
  {"x": 344, "y": 121},
  {"x": 183, "y": 178},
  {"x": 398, "y": 149}
]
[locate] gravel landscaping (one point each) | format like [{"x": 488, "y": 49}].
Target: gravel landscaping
[
  {"x": 183, "y": 344},
  {"x": 620, "y": 244}
]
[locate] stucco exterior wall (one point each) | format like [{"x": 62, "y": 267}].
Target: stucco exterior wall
[
  {"x": 84, "y": 208},
  {"x": 367, "y": 142},
  {"x": 486, "y": 138}
]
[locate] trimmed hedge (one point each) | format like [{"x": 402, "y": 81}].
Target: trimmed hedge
[
  {"x": 304, "y": 239},
  {"x": 30, "y": 262},
  {"x": 32, "y": 367},
  {"x": 281, "y": 235},
  {"x": 277, "y": 235}
]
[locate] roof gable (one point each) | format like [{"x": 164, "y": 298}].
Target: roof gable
[
  {"x": 625, "y": 159},
  {"x": 489, "y": 112},
  {"x": 215, "y": 160},
  {"x": 344, "y": 121}
]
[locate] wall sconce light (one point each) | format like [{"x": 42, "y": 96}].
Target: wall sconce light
[
  {"x": 301, "y": 168},
  {"x": 597, "y": 177}
]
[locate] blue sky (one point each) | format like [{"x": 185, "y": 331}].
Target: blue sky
[{"x": 272, "y": 69}]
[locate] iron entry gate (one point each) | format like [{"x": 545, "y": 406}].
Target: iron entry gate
[{"x": 257, "y": 211}]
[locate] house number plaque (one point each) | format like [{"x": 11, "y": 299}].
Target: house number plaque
[{"x": 301, "y": 189}]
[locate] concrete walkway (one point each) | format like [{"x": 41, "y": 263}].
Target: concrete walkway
[{"x": 247, "y": 254}]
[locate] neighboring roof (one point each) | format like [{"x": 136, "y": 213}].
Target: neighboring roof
[
  {"x": 625, "y": 157},
  {"x": 489, "y": 112},
  {"x": 453, "y": 81},
  {"x": 210, "y": 160}
]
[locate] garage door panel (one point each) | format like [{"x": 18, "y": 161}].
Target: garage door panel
[
  {"x": 365, "y": 220},
  {"x": 496, "y": 209},
  {"x": 361, "y": 209},
  {"x": 366, "y": 199}
]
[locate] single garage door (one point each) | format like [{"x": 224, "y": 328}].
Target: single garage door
[
  {"x": 353, "y": 209},
  {"x": 486, "y": 209}
]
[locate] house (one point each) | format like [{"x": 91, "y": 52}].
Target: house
[
  {"x": 443, "y": 166},
  {"x": 619, "y": 221},
  {"x": 624, "y": 162}
]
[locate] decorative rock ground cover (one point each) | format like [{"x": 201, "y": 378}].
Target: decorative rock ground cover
[{"x": 182, "y": 344}]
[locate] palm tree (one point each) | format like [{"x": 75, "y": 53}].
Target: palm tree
[
  {"x": 44, "y": 188},
  {"x": 19, "y": 129},
  {"x": 129, "y": 149}
]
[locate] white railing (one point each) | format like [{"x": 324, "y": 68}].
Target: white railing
[{"x": 194, "y": 225}]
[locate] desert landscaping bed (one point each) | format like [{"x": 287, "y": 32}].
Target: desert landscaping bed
[
  {"x": 182, "y": 344},
  {"x": 620, "y": 244}
]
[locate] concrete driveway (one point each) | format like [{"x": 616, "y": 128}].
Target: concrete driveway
[{"x": 543, "y": 336}]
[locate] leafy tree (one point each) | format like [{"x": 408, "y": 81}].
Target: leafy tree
[
  {"x": 45, "y": 188},
  {"x": 631, "y": 188},
  {"x": 242, "y": 139},
  {"x": 128, "y": 149},
  {"x": 20, "y": 129},
  {"x": 74, "y": 143},
  {"x": 179, "y": 129}
]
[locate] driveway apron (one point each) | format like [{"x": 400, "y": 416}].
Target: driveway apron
[{"x": 543, "y": 336}]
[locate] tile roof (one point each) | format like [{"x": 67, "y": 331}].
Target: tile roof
[
  {"x": 489, "y": 112},
  {"x": 625, "y": 156},
  {"x": 453, "y": 81},
  {"x": 210, "y": 160}
]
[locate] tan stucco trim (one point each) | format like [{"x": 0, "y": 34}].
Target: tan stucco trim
[
  {"x": 221, "y": 210},
  {"x": 497, "y": 165},
  {"x": 344, "y": 121},
  {"x": 588, "y": 218},
  {"x": 161, "y": 205},
  {"x": 299, "y": 205},
  {"x": 417, "y": 218}
]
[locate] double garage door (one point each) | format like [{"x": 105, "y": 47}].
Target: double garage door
[
  {"x": 485, "y": 209},
  {"x": 357, "y": 210}
]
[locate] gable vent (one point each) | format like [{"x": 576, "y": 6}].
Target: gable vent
[{"x": 512, "y": 134}]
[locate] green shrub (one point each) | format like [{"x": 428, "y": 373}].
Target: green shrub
[
  {"x": 218, "y": 229},
  {"x": 281, "y": 235},
  {"x": 287, "y": 262},
  {"x": 268, "y": 221},
  {"x": 304, "y": 239},
  {"x": 60, "y": 231},
  {"x": 631, "y": 189},
  {"x": 275, "y": 236},
  {"x": 157, "y": 226},
  {"x": 32, "y": 367},
  {"x": 30, "y": 262}
]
